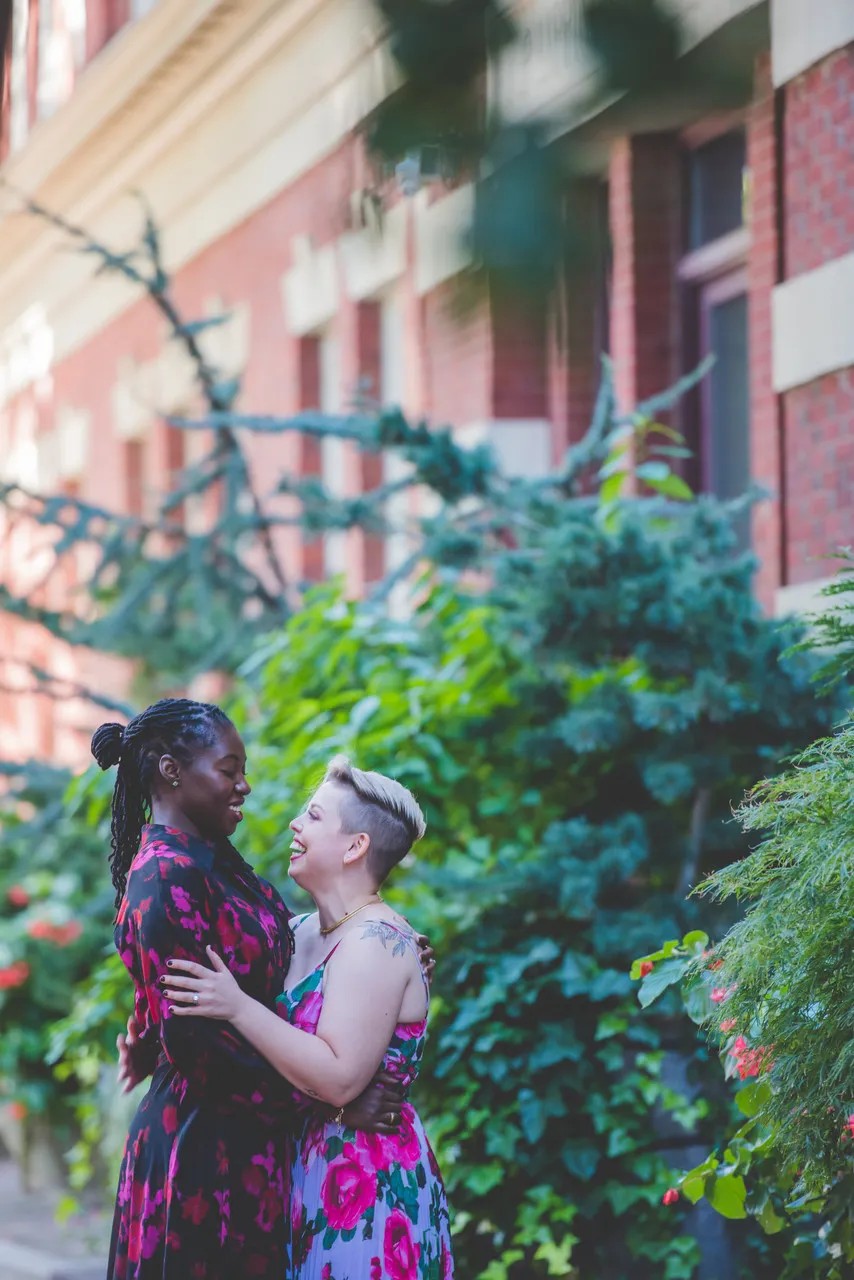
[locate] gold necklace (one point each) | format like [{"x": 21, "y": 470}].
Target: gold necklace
[{"x": 349, "y": 915}]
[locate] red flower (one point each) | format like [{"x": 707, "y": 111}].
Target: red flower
[
  {"x": 18, "y": 896},
  {"x": 728, "y": 1024},
  {"x": 400, "y": 1252},
  {"x": 326, "y": 1273},
  {"x": 59, "y": 934},
  {"x": 15, "y": 975},
  {"x": 719, "y": 994},
  {"x": 715, "y": 964},
  {"x": 670, "y": 1196},
  {"x": 349, "y": 1188},
  {"x": 749, "y": 1062},
  {"x": 849, "y": 1125},
  {"x": 646, "y": 967},
  {"x": 18, "y": 1111},
  {"x": 376, "y": 1269}
]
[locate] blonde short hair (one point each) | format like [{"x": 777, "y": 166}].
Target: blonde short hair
[{"x": 382, "y": 808}]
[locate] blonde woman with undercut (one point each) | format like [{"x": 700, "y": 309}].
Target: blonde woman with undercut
[{"x": 363, "y": 1205}]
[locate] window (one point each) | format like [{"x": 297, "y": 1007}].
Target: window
[
  {"x": 725, "y": 394},
  {"x": 715, "y": 184},
  {"x": 715, "y": 281},
  {"x": 333, "y": 458},
  {"x": 134, "y": 464}
]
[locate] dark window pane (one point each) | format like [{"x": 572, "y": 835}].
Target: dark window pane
[
  {"x": 715, "y": 179},
  {"x": 727, "y": 435}
]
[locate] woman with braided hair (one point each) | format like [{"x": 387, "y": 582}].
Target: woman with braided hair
[{"x": 204, "y": 1180}]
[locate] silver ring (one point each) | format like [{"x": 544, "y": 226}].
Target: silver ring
[{"x": 196, "y": 998}]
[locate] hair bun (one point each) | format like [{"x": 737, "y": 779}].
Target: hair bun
[{"x": 107, "y": 744}]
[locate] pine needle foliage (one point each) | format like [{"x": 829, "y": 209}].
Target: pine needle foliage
[{"x": 789, "y": 963}]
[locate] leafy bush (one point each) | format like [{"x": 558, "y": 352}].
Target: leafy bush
[
  {"x": 777, "y": 999},
  {"x": 575, "y": 733},
  {"x": 55, "y": 909}
]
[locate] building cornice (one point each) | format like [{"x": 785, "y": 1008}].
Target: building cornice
[{"x": 209, "y": 107}]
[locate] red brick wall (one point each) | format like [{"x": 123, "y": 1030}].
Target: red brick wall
[
  {"x": 457, "y": 355},
  {"x": 818, "y": 222},
  {"x": 820, "y": 473},
  {"x": 519, "y": 355},
  {"x": 103, "y": 19},
  {"x": 819, "y": 163},
  {"x": 645, "y": 216},
  {"x": 762, "y": 274}
]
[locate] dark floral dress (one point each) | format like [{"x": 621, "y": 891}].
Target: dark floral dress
[
  {"x": 205, "y": 1178},
  {"x": 365, "y": 1206}
]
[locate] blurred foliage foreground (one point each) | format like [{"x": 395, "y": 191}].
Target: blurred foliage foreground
[
  {"x": 775, "y": 994},
  {"x": 576, "y": 731}
]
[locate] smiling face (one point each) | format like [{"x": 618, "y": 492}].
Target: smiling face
[
  {"x": 320, "y": 849},
  {"x": 212, "y": 784}
]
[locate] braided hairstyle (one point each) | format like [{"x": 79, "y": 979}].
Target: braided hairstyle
[{"x": 173, "y": 726}]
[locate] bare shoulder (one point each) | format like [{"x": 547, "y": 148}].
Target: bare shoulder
[
  {"x": 391, "y": 936},
  {"x": 382, "y": 934}
]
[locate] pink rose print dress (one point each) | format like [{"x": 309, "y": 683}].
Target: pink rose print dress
[
  {"x": 204, "y": 1178},
  {"x": 365, "y": 1206}
]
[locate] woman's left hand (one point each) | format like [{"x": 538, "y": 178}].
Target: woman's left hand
[
  {"x": 426, "y": 955},
  {"x": 197, "y": 992}
]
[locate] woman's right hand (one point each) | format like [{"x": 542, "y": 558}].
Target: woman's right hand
[
  {"x": 378, "y": 1108},
  {"x": 130, "y": 1071}
]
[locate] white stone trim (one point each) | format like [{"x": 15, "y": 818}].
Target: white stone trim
[
  {"x": 803, "y": 598},
  {"x": 523, "y": 446},
  {"x": 73, "y": 440},
  {"x": 310, "y": 288},
  {"x": 549, "y": 73},
  {"x": 26, "y": 351},
  {"x": 373, "y": 260},
  {"x": 813, "y": 320},
  {"x": 227, "y": 345},
  {"x": 441, "y": 250},
  {"x": 724, "y": 254},
  {"x": 802, "y": 33}
]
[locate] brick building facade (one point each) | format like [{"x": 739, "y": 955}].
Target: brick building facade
[{"x": 239, "y": 119}]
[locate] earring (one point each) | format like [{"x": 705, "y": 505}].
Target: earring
[{"x": 175, "y": 782}]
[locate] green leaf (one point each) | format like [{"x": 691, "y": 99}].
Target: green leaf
[
  {"x": 727, "y": 1195},
  {"x": 753, "y": 1097},
  {"x": 664, "y": 975},
  {"x": 693, "y": 1187}
]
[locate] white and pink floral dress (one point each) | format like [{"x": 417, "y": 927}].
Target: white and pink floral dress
[{"x": 365, "y": 1206}]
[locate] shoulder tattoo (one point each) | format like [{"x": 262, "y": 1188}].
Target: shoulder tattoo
[{"x": 386, "y": 934}]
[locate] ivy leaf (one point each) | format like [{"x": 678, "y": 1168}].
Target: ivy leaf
[
  {"x": 664, "y": 975},
  {"x": 727, "y": 1195},
  {"x": 753, "y": 1097}
]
